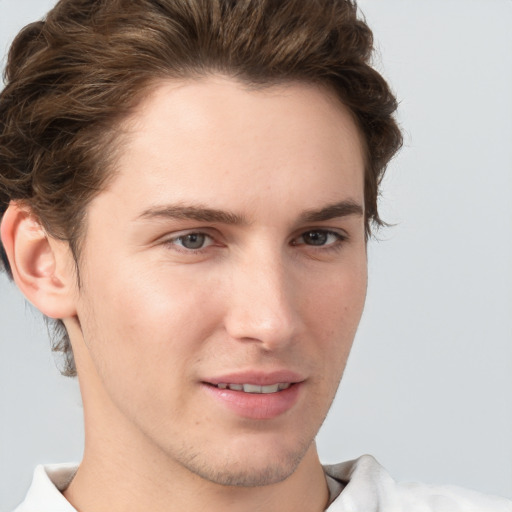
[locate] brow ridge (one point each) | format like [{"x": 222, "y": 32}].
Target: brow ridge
[
  {"x": 332, "y": 211},
  {"x": 204, "y": 214},
  {"x": 198, "y": 213}
]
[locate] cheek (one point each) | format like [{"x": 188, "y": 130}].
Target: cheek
[
  {"x": 140, "y": 321},
  {"x": 338, "y": 298},
  {"x": 153, "y": 300},
  {"x": 334, "y": 312},
  {"x": 144, "y": 339}
]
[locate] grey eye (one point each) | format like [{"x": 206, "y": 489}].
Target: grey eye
[{"x": 192, "y": 240}]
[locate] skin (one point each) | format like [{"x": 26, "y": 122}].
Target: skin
[{"x": 271, "y": 287}]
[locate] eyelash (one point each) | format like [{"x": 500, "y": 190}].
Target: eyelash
[
  {"x": 334, "y": 246},
  {"x": 172, "y": 242}
]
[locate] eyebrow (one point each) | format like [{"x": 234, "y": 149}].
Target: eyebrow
[
  {"x": 197, "y": 213},
  {"x": 202, "y": 214},
  {"x": 333, "y": 211}
]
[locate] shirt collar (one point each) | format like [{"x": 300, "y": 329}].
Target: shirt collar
[
  {"x": 45, "y": 492},
  {"x": 358, "y": 479}
]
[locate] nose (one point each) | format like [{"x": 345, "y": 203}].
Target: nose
[{"x": 262, "y": 302}]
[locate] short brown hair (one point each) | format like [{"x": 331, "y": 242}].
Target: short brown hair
[{"x": 71, "y": 78}]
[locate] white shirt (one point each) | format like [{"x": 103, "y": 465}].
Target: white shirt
[{"x": 361, "y": 485}]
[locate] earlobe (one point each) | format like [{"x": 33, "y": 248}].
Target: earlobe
[{"x": 40, "y": 264}]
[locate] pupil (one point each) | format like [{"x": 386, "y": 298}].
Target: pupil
[
  {"x": 315, "y": 238},
  {"x": 193, "y": 241}
]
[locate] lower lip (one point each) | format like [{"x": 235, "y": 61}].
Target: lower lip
[{"x": 256, "y": 406}]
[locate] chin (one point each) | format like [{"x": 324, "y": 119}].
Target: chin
[
  {"x": 254, "y": 469},
  {"x": 249, "y": 476}
]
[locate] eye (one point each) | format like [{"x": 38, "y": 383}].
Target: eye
[
  {"x": 319, "y": 237},
  {"x": 192, "y": 241}
]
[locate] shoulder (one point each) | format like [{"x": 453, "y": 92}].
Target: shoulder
[{"x": 369, "y": 487}]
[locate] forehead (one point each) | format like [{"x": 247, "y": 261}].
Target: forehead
[{"x": 216, "y": 141}]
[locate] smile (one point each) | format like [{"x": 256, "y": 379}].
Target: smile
[
  {"x": 262, "y": 401},
  {"x": 254, "y": 388}
]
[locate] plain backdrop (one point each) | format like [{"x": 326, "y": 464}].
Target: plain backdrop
[{"x": 429, "y": 383}]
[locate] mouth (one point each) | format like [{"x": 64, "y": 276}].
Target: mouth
[
  {"x": 254, "y": 388},
  {"x": 256, "y": 394},
  {"x": 262, "y": 401}
]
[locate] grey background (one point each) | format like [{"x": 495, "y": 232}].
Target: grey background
[{"x": 429, "y": 383}]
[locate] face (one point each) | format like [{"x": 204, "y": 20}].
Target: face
[{"x": 223, "y": 277}]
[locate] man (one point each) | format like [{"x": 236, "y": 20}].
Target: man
[{"x": 187, "y": 188}]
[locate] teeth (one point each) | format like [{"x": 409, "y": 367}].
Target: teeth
[
  {"x": 253, "y": 388},
  {"x": 270, "y": 389}
]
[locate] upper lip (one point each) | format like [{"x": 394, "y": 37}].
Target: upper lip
[{"x": 258, "y": 378}]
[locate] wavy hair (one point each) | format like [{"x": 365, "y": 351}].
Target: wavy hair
[{"x": 73, "y": 77}]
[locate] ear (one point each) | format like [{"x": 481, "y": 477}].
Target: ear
[{"x": 42, "y": 266}]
